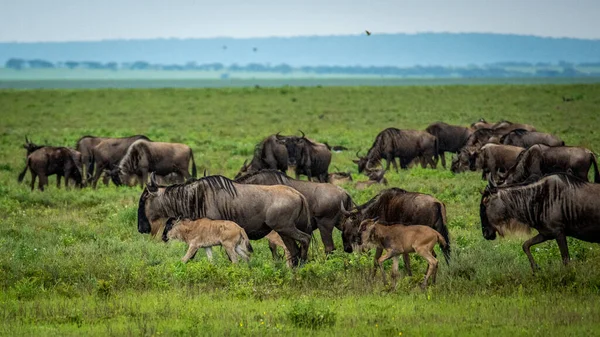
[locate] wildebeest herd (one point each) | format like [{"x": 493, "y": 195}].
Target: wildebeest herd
[{"x": 533, "y": 180}]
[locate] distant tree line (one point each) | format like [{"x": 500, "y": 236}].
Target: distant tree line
[{"x": 503, "y": 69}]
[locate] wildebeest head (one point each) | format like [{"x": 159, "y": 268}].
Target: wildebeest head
[
  {"x": 168, "y": 226},
  {"x": 30, "y": 147},
  {"x": 115, "y": 175},
  {"x": 489, "y": 232},
  {"x": 465, "y": 160},
  {"x": 244, "y": 170},
  {"x": 150, "y": 192},
  {"x": 362, "y": 162},
  {"x": 350, "y": 228}
]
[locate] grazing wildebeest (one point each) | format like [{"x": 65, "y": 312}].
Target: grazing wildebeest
[
  {"x": 323, "y": 200},
  {"x": 557, "y": 206},
  {"x": 481, "y": 137},
  {"x": 340, "y": 178},
  {"x": 540, "y": 160},
  {"x": 407, "y": 145},
  {"x": 271, "y": 153},
  {"x": 312, "y": 159},
  {"x": 451, "y": 138},
  {"x": 466, "y": 157},
  {"x": 495, "y": 157},
  {"x": 375, "y": 177},
  {"x": 504, "y": 127},
  {"x": 49, "y": 160},
  {"x": 107, "y": 154},
  {"x": 144, "y": 157},
  {"x": 526, "y": 139},
  {"x": 206, "y": 233},
  {"x": 481, "y": 124},
  {"x": 398, "y": 239},
  {"x": 396, "y": 205},
  {"x": 257, "y": 209}
]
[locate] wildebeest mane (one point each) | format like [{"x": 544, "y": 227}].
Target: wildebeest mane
[
  {"x": 518, "y": 132},
  {"x": 375, "y": 152},
  {"x": 378, "y": 203},
  {"x": 268, "y": 176}
]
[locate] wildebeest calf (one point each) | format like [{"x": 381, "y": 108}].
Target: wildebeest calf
[
  {"x": 206, "y": 233},
  {"x": 398, "y": 239}
]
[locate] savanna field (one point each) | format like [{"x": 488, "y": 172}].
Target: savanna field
[{"x": 73, "y": 263}]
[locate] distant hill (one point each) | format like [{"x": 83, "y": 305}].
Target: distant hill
[{"x": 400, "y": 50}]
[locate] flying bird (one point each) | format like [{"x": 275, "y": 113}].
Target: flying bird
[
  {"x": 224, "y": 47},
  {"x": 368, "y": 32},
  {"x": 255, "y": 49}
]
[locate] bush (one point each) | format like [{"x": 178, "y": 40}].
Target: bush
[{"x": 309, "y": 314}]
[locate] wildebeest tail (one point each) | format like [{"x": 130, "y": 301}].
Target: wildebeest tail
[
  {"x": 193, "y": 164},
  {"x": 595, "y": 163},
  {"x": 442, "y": 228},
  {"x": 22, "y": 174},
  {"x": 246, "y": 242},
  {"x": 436, "y": 151}
]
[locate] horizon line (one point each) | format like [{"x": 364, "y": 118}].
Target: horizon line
[{"x": 374, "y": 33}]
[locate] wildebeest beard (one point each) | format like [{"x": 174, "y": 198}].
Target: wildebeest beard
[{"x": 188, "y": 200}]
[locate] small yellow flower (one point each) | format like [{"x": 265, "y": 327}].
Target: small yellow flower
[
  {"x": 400, "y": 333},
  {"x": 241, "y": 324},
  {"x": 377, "y": 325}
]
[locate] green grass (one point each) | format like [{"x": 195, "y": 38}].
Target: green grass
[{"x": 72, "y": 262}]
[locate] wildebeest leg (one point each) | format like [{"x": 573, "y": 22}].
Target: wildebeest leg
[
  {"x": 395, "y": 271},
  {"x": 443, "y": 157},
  {"x": 561, "y": 239},
  {"x": 326, "y": 230},
  {"x": 33, "y": 176},
  {"x": 191, "y": 252},
  {"x": 97, "y": 173},
  {"x": 273, "y": 248},
  {"x": 378, "y": 253},
  {"x": 389, "y": 254},
  {"x": 292, "y": 247},
  {"x": 527, "y": 249},
  {"x": 105, "y": 179},
  {"x": 432, "y": 268},
  {"x": 209, "y": 254},
  {"x": 58, "y": 176},
  {"x": 67, "y": 176},
  {"x": 43, "y": 182},
  {"x": 406, "y": 259},
  {"x": 230, "y": 250}
]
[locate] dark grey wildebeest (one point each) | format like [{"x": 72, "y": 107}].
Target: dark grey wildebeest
[
  {"x": 107, "y": 154},
  {"x": 493, "y": 158},
  {"x": 557, "y": 206},
  {"x": 540, "y": 160},
  {"x": 323, "y": 200},
  {"x": 257, "y": 209},
  {"x": 271, "y": 153},
  {"x": 311, "y": 158},
  {"x": 395, "y": 205},
  {"x": 451, "y": 138},
  {"x": 526, "y": 139},
  {"x": 144, "y": 157},
  {"x": 50, "y": 160},
  {"x": 407, "y": 145}
]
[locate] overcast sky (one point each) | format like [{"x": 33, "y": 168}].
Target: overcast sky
[{"x": 76, "y": 20}]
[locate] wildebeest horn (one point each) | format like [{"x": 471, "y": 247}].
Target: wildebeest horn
[
  {"x": 206, "y": 172},
  {"x": 492, "y": 183},
  {"x": 303, "y": 135},
  {"x": 343, "y": 209},
  {"x": 153, "y": 179},
  {"x": 245, "y": 164}
]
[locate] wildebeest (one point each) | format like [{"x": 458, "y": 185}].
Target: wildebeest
[
  {"x": 398, "y": 239},
  {"x": 312, "y": 159},
  {"x": 323, "y": 200},
  {"x": 144, "y": 157},
  {"x": 481, "y": 124},
  {"x": 50, "y": 160},
  {"x": 206, "y": 233},
  {"x": 107, "y": 154},
  {"x": 505, "y": 127},
  {"x": 540, "y": 160},
  {"x": 258, "y": 209},
  {"x": 526, "y": 139},
  {"x": 557, "y": 206},
  {"x": 395, "y": 205},
  {"x": 451, "y": 138},
  {"x": 494, "y": 157},
  {"x": 375, "y": 177},
  {"x": 85, "y": 145},
  {"x": 271, "y": 153},
  {"x": 407, "y": 145},
  {"x": 339, "y": 178}
]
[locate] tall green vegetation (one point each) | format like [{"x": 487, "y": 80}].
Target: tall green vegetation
[{"x": 72, "y": 262}]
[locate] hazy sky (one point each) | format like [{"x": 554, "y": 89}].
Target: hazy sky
[{"x": 67, "y": 20}]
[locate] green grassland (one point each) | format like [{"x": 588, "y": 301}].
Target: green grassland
[{"x": 73, "y": 263}]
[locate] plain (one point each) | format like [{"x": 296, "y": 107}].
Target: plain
[{"x": 72, "y": 262}]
